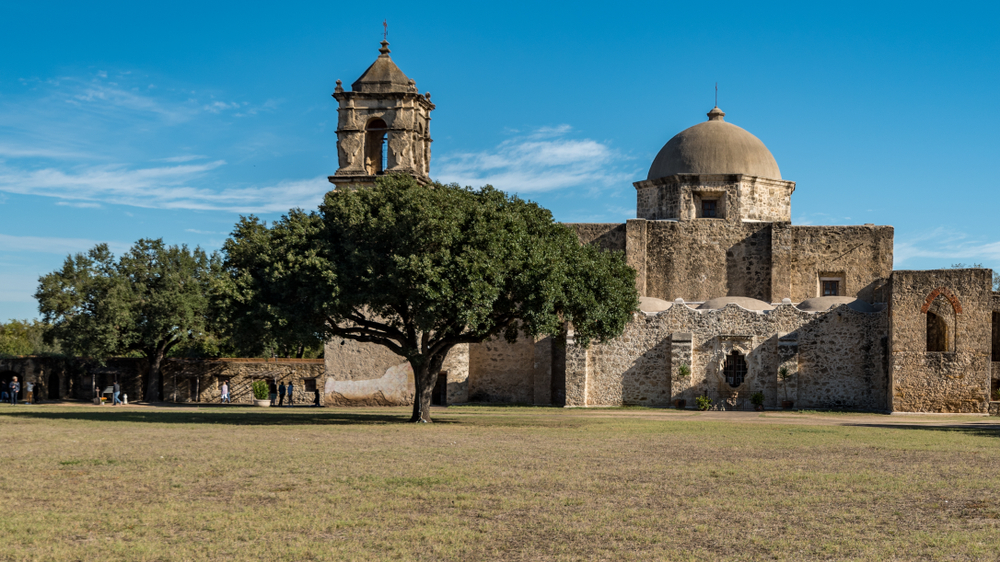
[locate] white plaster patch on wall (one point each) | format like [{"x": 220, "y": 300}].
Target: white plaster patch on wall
[{"x": 395, "y": 388}]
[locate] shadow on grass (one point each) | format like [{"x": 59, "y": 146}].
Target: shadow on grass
[
  {"x": 977, "y": 430},
  {"x": 241, "y": 417}
]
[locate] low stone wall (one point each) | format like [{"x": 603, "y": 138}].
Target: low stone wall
[{"x": 197, "y": 380}]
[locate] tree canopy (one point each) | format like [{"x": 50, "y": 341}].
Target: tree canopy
[
  {"x": 150, "y": 300},
  {"x": 25, "y": 337},
  {"x": 421, "y": 268}
]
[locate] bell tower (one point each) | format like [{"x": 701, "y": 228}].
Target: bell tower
[{"x": 383, "y": 126}]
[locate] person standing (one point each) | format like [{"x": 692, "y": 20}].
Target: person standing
[
  {"x": 116, "y": 392},
  {"x": 316, "y": 399},
  {"x": 29, "y": 392},
  {"x": 3, "y": 392},
  {"x": 225, "y": 392},
  {"x": 272, "y": 389},
  {"x": 289, "y": 390},
  {"x": 281, "y": 394},
  {"x": 15, "y": 387}
]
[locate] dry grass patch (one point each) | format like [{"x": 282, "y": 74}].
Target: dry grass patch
[{"x": 87, "y": 483}]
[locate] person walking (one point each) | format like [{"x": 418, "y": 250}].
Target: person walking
[
  {"x": 272, "y": 390},
  {"x": 225, "y": 392},
  {"x": 281, "y": 394},
  {"x": 316, "y": 399},
  {"x": 116, "y": 392},
  {"x": 15, "y": 387},
  {"x": 289, "y": 391}
]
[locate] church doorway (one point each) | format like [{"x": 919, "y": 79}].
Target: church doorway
[
  {"x": 439, "y": 397},
  {"x": 735, "y": 369},
  {"x": 54, "y": 388}
]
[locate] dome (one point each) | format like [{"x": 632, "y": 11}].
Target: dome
[
  {"x": 650, "y": 304},
  {"x": 745, "y": 302},
  {"x": 819, "y": 304},
  {"x": 714, "y": 147}
]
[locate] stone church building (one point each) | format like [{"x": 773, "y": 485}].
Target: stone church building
[{"x": 732, "y": 294}]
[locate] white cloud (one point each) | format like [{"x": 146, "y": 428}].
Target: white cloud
[
  {"x": 945, "y": 244},
  {"x": 165, "y": 187},
  {"x": 79, "y": 204},
  {"x": 51, "y": 245},
  {"x": 181, "y": 159},
  {"x": 543, "y": 160}
]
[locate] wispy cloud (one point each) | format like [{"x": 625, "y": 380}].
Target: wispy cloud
[
  {"x": 181, "y": 159},
  {"x": 79, "y": 204},
  {"x": 945, "y": 244},
  {"x": 51, "y": 245},
  {"x": 165, "y": 187},
  {"x": 543, "y": 160}
]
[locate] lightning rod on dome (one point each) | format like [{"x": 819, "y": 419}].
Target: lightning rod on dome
[{"x": 716, "y": 94}]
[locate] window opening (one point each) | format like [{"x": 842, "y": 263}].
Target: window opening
[
  {"x": 996, "y": 336},
  {"x": 708, "y": 208},
  {"x": 937, "y": 333},
  {"x": 439, "y": 397},
  {"x": 376, "y": 159},
  {"x": 831, "y": 288},
  {"x": 941, "y": 323},
  {"x": 309, "y": 385},
  {"x": 735, "y": 369}
]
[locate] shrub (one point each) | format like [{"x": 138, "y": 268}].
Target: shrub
[
  {"x": 259, "y": 389},
  {"x": 704, "y": 402},
  {"x": 683, "y": 371},
  {"x": 757, "y": 398}
]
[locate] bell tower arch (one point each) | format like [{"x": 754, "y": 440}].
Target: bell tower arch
[{"x": 383, "y": 126}]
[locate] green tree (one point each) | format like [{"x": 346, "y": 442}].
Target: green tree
[
  {"x": 422, "y": 268},
  {"x": 257, "y": 304},
  {"x": 151, "y": 299},
  {"x": 25, "y": 337}
]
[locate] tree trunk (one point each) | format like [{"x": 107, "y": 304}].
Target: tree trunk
[
  {"x": 425, "y": 374},
  {"x": 153, "y": 382}
]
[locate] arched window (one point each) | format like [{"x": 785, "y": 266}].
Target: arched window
[
  {"x": 941, "y": 317},
  {"x": 937, "y": 333},
  {"x": 375, "y": 150},
  {"x": 735, "y": 369}
]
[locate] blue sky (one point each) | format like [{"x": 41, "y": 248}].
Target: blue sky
[{"x": 120, "y": 121}]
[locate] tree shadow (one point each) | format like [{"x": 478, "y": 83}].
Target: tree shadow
[
  {"x": 977, "y": 430},
  {"x": 236, "y": 417}
]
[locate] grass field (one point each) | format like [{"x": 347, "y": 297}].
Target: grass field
[{"x": 170, "y": 483}]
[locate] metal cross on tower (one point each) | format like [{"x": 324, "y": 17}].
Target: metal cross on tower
[{"x": 385, "y": 30}]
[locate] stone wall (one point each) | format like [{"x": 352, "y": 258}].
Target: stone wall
[
  {"x": 860, "y": 255},
  {"x": 608, "y": 236},
  {"x": 739, "y": 197},
  {"x": 933, "y": 381},
  {"x": 699, "y": 260},
  {"x": 200, "y": 380},
  {"x": 832, "y": 369},
  {"x": 503, "y": 372}
]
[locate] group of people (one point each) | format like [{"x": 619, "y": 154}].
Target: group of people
[
  {"x": 9, "y": 391},
  {"x": 280, "y": 392},
  {"x": 277, "y": 392}
]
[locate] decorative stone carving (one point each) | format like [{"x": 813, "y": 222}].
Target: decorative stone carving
[
  {"x": 349, "y": 146},
  {"x": 399, "y": 145}
]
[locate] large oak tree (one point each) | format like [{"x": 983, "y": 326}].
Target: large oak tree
[
  {"x": 422, "y": 268},
  {"x": 151, "y": 299}
]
